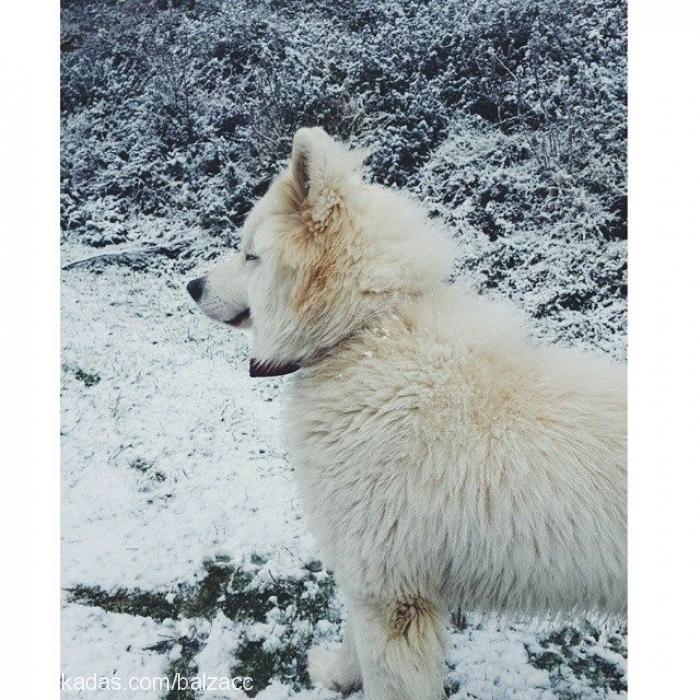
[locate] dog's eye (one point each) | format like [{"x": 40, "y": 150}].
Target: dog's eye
[{"x": 250, "y": 257}]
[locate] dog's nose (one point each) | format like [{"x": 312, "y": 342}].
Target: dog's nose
[{"x": 195, "y": 288}]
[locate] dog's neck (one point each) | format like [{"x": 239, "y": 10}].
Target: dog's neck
[
  {"x": 273, "y": 368},
  {"x": 270, "y": 368}
]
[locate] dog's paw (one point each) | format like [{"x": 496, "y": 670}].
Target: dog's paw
[
  {"x": 322, "y": 667},
  {"x": 328, "y": 669}
]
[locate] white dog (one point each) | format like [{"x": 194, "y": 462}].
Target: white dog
[{"x": 442, "y": 458}]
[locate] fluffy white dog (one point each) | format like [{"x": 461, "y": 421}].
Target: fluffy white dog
[{"x": 442, "y": 458}]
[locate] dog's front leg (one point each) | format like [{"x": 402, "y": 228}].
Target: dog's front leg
[
  {"x": 400, "y": 646},
  {"x": 337, "y": 670}
]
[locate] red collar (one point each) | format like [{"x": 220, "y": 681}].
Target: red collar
[{"x": 266, "y": 368}]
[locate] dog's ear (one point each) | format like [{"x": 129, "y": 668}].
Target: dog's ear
[
  {"x": 321, "y": 171},
  {"x": 301, "y": 156}
]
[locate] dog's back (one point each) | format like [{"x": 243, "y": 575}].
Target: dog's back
[{"x": 444, "y": 454}]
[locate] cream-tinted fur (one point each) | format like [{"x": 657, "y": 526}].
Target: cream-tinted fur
[{"x": 443, "y": 459}]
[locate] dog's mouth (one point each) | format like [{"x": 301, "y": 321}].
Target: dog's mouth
[
  {"x": 239, "y": 319},
  {"x": 262, "y": 368}
]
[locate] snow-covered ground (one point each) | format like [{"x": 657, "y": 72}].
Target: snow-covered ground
[{"x": 185, "y": 551}]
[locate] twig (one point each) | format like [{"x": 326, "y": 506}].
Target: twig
[{"x": 125, "y": 255}]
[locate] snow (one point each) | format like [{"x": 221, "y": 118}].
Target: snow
[
  {"x": 493, "y": 662},
  {"x": 214, "y": 660},
  {"x": 98, "y": 645},
  {"x": 184, "y": 547},
  {"x": 174, "y": 396}
]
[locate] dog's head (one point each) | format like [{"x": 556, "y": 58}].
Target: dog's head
[{"x": 322, "y": 254}]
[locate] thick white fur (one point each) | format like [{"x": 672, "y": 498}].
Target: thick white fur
[{"x": 443, "y": 459}]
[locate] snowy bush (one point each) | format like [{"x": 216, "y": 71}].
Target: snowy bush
[
  {"x": 185, "y": 109},
  {"x": 507, "y": 117}
]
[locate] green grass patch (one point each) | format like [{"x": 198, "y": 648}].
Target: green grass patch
[
  {"x": 301, "y": 602},
  {"x": 146, "y": 468},
  {"x": 572, "y": 651},
  {"x": 87, "y": 378},
  {"x": 122, "y": 600}
]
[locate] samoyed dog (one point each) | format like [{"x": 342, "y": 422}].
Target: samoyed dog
[{"x": 443, "y": 459}]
